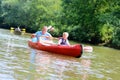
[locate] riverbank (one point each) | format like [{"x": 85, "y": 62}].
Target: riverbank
[{"x": 99, "y": 44}]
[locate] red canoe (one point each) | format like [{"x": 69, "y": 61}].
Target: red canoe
[{"x": 73, "y": 50}]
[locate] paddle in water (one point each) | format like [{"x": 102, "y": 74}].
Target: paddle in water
[{"x": 88, "y": 48}]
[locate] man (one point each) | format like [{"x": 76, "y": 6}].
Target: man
[{"x": 43, "y": 36}]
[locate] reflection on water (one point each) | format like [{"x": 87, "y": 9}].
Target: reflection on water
[
  {"x": 32, "y": 56},
  {"x": 45, "y": 66},
  {"x": 32, "y": 67},
  {"x": 12, "y": 49},
  {"x": 19, "y": 62},
  {"x": 86, "y": 67}
]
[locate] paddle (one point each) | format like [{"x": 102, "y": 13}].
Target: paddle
[
  {"x": 50, "y": 28},
  {"x": 49, "y": 37},
  {"x": 88, "y": 49}
]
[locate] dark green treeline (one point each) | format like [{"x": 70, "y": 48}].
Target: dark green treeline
[{"x": 91, "y": 21}]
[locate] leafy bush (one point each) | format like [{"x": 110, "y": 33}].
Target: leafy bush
[
  {"x": 116, "y": 38},
  {"x": 106, "y": 32}
]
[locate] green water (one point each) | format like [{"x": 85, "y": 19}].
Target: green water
[{"x": 19, "y": 62}]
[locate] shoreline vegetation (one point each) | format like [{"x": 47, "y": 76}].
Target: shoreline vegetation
[
  {"x": 99, "y": 44},
  {"x": 94, "y": 22}
]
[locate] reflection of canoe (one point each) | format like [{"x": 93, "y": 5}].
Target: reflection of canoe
[
  {"x": 73, "y": 50},
  {"x": 18, "y": 31}
]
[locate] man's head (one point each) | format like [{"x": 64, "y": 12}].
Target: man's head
[{"x": 44, "y": 29}]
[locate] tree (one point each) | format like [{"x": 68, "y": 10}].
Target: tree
[
  {"x": 31, "y": 13},
  {"x": 1, "y": 18},
  {"x": 91, "y": 21},
  {"x": 81, "y": 13}
]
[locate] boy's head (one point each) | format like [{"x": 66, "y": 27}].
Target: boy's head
[{"x": 65, "y": 35}]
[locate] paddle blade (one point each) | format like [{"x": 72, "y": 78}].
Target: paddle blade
[{"x": 88, "y": 49}]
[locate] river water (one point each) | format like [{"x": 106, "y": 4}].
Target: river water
[{"x": 19, "y": 62}]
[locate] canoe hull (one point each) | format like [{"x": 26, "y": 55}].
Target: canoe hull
[{"x": 74, "y": 50}]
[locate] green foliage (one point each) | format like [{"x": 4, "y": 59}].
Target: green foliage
[
  {"x": 116, "y": 38},
  {"x": 31, "y": 13},
  {"x": 45, "y": 12},
  {"x": 13, "y": 12},
  {"x": 93, "y": 21},
  {"x": 1, "y": 18},
  {"x": 0, "y": 8},
  {"x": 81, "y": 13},
  {"x": 109, "y": 19},
  {"x": 106, "y": 32}
]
